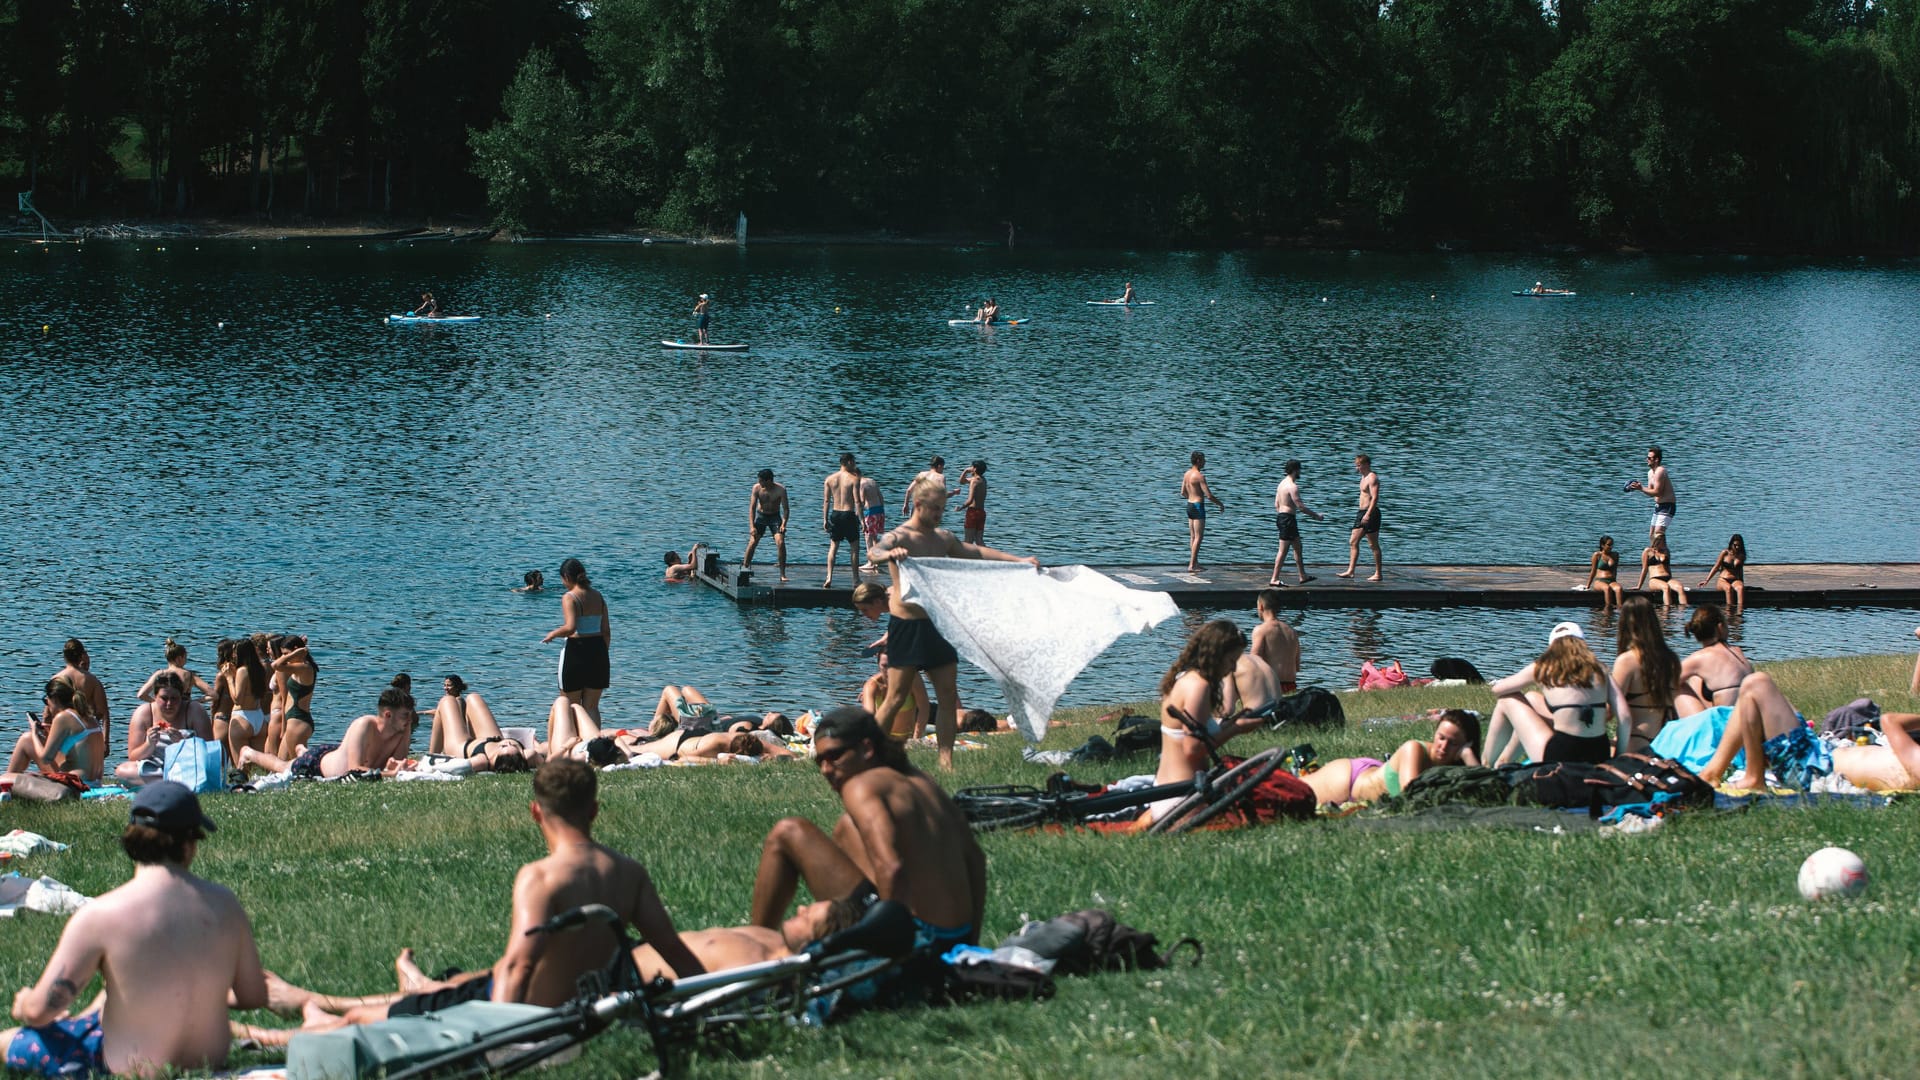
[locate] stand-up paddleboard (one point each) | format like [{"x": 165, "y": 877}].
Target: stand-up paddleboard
[
  {"x": 996, "y": 322},
  {"x": 1120, "y": 303},
  {"x": 432, "y": 318},
  {"x": 702, "y": 348},
  {"x": 1548, "y": 295}
]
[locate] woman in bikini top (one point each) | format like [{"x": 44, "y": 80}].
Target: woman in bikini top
[
  {"x": 1732, "y": 568},
  {"x": 1646, "y": 670},
  {"x": 1191, "y": 690},
  {"x": 1713, "y": 673},
  {"x": 1603, "y": 571},
  {"x": 1551, "y": 723},
  {"x": 60, "y": 740}
]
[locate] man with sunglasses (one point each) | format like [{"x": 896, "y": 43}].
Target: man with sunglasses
[{"x": 901, "y": 838}]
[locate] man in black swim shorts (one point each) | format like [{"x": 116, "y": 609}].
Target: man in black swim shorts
[
  {"x": 914, "y": 644},
  {"x": 1366, "y": 522},
  {"x": 840, "y": 509},
  {"x": 767, "y": 510}
]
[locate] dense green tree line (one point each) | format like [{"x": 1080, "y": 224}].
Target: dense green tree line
[{"x": 1775, "y": 123}]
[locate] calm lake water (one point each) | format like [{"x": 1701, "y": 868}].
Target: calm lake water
[{"x": 307, "y": 467}]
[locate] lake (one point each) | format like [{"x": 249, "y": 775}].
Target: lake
[{"x": 212, "y": 437}]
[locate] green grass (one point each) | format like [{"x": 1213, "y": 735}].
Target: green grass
[{"x": 1331, "y": 950}]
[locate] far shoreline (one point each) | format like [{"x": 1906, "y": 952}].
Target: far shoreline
[{"x": 429, "y": 230}]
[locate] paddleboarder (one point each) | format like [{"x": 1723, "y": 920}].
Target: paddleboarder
[{"x": 702, "y": 314}]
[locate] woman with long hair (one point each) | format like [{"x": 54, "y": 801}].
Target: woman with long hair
[
  {"x": 1647, "y": 671},
  {"x": 250, "y": 685},
  {"x": 90, "y": 696},
  {"x": 1732, "y": 568},
  {"x": 584, "y": 674},
  {"x": 1565, "y": 717},
  {"x": 297, "y": 674},
  {"x": 1456, "y": 741},
  {"x": 464, "y": 726},
  {"x": 1191, "y": 692},
  {"x": 1603, "y": 573},
  {"x": 1712, "y": 674},
  {"x": 59, "y": 739}
]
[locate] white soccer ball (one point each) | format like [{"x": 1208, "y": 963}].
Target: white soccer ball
[{"x": 1830, "y": 872}]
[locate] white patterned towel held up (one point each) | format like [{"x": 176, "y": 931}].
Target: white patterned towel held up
[{"x": 1032, "y": 632}]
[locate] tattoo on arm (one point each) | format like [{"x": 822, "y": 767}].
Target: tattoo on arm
[{"x": 61, "y": 992}]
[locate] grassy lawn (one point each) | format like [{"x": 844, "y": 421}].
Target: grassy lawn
[{"x": 1332, "y": 950}]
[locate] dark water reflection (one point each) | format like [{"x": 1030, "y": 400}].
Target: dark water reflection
[{"x": 305, "y": 466}]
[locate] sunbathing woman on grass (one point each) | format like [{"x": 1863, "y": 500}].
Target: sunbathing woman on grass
[
  {"x": 573, "y": 733},
  {"x": 464, "y": 727},
  {"x": 1456, "y": 741},
  {"x": 1893, "y": 767}
]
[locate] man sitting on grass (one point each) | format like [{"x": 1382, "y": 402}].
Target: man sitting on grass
[
  {"x": 174, "y": 951},
  {"x": 538, "y": 969},
  {"x": 901, "y": 838}
]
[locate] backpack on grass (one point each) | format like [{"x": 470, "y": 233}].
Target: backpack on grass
[
  {"x": 1624, "y": 779},
  {"x": 1452, "y": 785},
  {"x": 1092, "y": 940},
  {"x": 1312, "y": 707}
]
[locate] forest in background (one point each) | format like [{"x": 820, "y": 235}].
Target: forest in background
[{"x": 1762, "y": 124}]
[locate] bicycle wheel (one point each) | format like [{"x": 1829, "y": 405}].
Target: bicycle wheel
[
  {"x": 1234, "y": 785},
  {"x": 1166, "y": 823},
  {"x": 987, "y": 813}
]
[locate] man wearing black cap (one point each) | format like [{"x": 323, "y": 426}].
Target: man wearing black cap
[{"x": 171, "y": 947}]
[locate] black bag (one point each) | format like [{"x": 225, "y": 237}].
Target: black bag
[
  {"x": 1452, "y": 667},
  {"x": 1312, "y": 707},
  {"x": 1624, "y": 779},
  {"x": 1093, "y": 940},
  {"x": 1452, "y": 785},
  {"x": 1136, "y": 735},
  {"x": 995, "y": 981}
]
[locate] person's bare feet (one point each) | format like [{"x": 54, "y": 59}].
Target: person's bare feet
[
  {"x": 410, "y": 976},
  {"x": 1276, "y": 583},
  {"x": 1343, "y": 573},
  {"x": 827, "y": 584},
  {"x": 783, "y": 576},
  {"x": 1195, "y": 569},
  {"x": 284, "y": 998},
  {"x": 1304, "y": 578},
  {"x": 946, "y": 761},
  {"x": 1373, "y": 577},
  {"x": 315, "y": 1018}
]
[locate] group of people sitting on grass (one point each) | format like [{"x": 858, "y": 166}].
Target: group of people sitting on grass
[
  {"x": 178, "y": 952},
  {"x": 1557, "y": 708}
]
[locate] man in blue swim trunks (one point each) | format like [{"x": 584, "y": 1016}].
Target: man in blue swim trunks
[
  {"x": 1194, "y": 489},
  {"x": 901, "y": 838},
  {"x": 171, "y": 948}
]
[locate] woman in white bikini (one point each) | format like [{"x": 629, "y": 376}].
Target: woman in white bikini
[{"x": 1192, "y": 688}]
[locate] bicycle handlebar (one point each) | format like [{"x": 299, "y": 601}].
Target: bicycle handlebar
[{"x": 568, "y": 920}]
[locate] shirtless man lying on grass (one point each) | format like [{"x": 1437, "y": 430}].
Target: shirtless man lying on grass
[
  {"x": 379, "y": 741},
  {"x": 538, "y": 969}
]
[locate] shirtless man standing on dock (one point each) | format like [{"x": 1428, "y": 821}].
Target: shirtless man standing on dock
[
  {"x": 1196, "y": 493},
  {"x": 767, "y": 509},
  {"x": 840, "y": 517},
  {"x": 1659, "y": 488},
  {"x": 1367, "y": 522},
  {"x": 873, "y": 516},
  {"x": 913, "y": 644},
  {"x": 1287, "y": 509}
]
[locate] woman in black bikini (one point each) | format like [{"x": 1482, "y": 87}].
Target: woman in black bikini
[
  {"x": 463, "y": 726},
  {"x": 1713, "y": 674},
  {"x": 1603, "y": 573},
  {"x": 297, "y": 675},
  {"x": 1732, "y": 568},
  {"x": 1566, "y": 718},
  {"x": 1646, "y": 670},
  {"x": 1658, "y": 561}
]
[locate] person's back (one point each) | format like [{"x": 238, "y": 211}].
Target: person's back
[
  {"x": 173, "y": 943},
  {"x": 569, "y": 878},
  {"x": 171, "y": 948},
  {"x": 1277, "y": 643},
  {"x": 932, "y": 836}
]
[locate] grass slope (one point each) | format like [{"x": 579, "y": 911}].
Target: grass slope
[{"x": 1331, "y": 950}]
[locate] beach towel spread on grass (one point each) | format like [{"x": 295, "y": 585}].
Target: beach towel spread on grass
[
  {"x": 1032, "y": 632},
  {"x": 22, "y": 842},
  {"x": 37, "y": 894}
]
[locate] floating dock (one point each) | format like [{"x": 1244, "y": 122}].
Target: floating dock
[{"x": 1235, "y": 585}]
